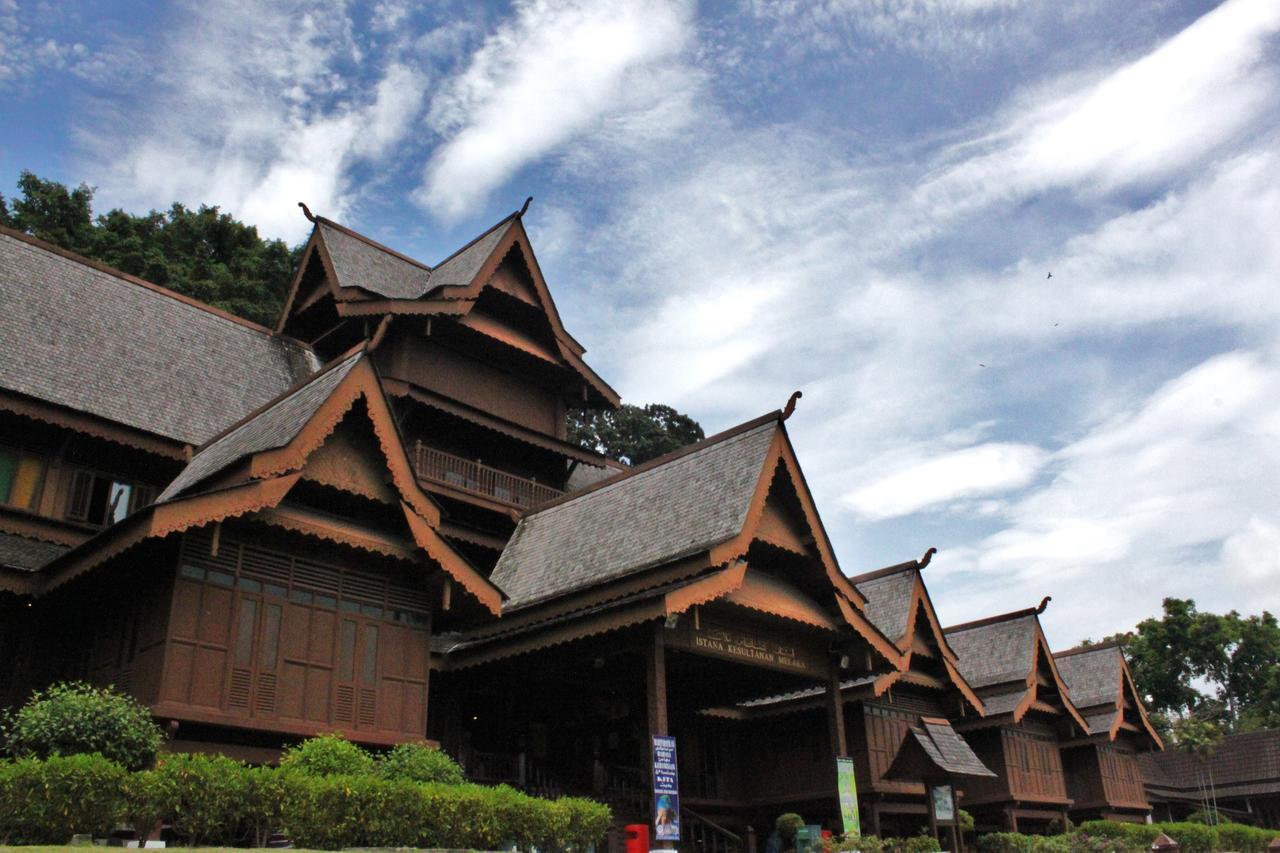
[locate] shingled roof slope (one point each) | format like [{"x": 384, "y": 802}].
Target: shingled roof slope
[
  {"x": 677, "y": 508},
  {"x": 947, "y": 749},
  {"x": 889, "y": 599},
  {"x": 1093, "y": 676},
  {"x": 27, "y": 555},
  {"x": 274, "y": 426},
  {"x": 79, "y": 336},
  {"x": 1246, "y": 763},
  {"x": 360, "y": 263},
  {"x": 996, "y": 652}
]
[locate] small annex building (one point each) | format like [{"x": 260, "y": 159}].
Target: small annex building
[{"x": 370, "y": 519}]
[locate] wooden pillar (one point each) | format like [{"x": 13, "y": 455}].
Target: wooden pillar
[
  {"x": 835, "y": 713},
  {"x": 656, "y": 653},
  {"x": 656, "y": 694},
  {"x": 875, "y": 819}
]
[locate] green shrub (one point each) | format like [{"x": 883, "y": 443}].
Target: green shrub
[
  {"x": 1005, "y": 842},
  {"x": 264, "y": 795},
  {"x": 419, "y": 762},
  {"x": 77, "y": 718},
  {"x": 919, "y": 844},
  {"x": 587, "y": 822},
  {"x": 144, "y": 801},
  {"x": 203, "y": 797},
  {"x": 327, "y": 755},
  {"x": 46, "y": 802},
  {"x": 787, "y": 826}
]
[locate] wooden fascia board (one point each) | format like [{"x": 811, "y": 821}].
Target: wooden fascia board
[
  {"x": 452, "y": 562},
  {"x": 1130, "y": 685},
  {"x": 315, "y": 525},
  {"x": 160, "y": 520},
  {"x": 1064, "y": 695},
  {"x": 814, "y": 520},
  {"x": 859, "y": 623},
  {"x": 18, "y": 583},
  {"x": 296, "y": 281},
  {"x": 422, "y": 307},
  {"x": 706, "y": 589},
  {"x": 360, "y": 382},
  {"x": 601, "y": 623},
  {"x": 92, "y": 425},
  {"x": 947, "y": 652},
  {"x": 884, "y": 682},
  {"x": 963, "y": 686}
]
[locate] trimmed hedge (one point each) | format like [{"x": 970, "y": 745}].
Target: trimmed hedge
[
  {"x": 79, "y": 719},
  {"x": 1117, "y": 837},
  {"x": 46, "y": 802},
  {"x": 328, "y": 755},
  {"x": 419, "y": 762},
  {"x": 211, "y": 799}
]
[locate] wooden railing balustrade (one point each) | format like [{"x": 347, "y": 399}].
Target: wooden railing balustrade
[{"x": 475, "y": 477}]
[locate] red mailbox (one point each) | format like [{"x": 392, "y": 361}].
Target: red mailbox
[{"x": 637, "y": 837}]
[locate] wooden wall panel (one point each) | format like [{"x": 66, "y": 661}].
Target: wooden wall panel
[
  {"x": 277, "y": 640},
  {"x": 1034, "y": 765}
]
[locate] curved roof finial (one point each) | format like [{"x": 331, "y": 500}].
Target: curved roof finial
[
  {"x": 924, "y": 561},
  {"x": 306, "y": 211},
  {"x": 1044, "y": 604},
  {"x": 525, "y": 207},
  {"x": 791, "y": 404}
]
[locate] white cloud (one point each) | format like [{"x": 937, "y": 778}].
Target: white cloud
[
  {"x": 983, "y": 469},
  {"x": 1148, "y": 119},
  {"x": 256, "y": 108},
  {"x": 540, "y": 80}
]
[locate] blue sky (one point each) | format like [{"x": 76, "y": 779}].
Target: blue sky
[{"x": 862, "y": 199}]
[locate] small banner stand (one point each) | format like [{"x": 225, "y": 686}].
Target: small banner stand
[
  {"x": 848, "y": 788},
  {"x": 666, "y": 790}
]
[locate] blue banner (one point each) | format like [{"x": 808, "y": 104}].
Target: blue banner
[{"x": 666, "y": 790}]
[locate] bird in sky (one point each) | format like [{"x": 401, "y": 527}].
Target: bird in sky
[{"x": 1050, "y": 275}]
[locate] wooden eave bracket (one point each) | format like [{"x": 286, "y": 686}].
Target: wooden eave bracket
[
  {"x": 452, "y": 562},
  {"x": 705, "y": 589}
]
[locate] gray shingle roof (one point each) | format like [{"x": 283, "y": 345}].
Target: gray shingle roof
[
  {"x": 948, "y": 750},
  {"x": 995, "y": 653},
  {"x": 1092, "y": 677},
  {"x": 27, "y": 555},
  {"x": 1245, "y": 760},
  {"x": 889, "y": 600},
  {"x": 359, "y": 263},
  {"x": 273, "y": 427},
  {"x": 657, "y": 515},
  {"x": 1002, "y": 703},
  {"x": 79, "y": 337}
]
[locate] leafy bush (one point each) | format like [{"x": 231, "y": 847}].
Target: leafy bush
[
  {"x": 76, "y": 718},
  {"x": 263, "y": 806},
  {"x": 327, "y": 755},
  {"x": 46, "y": 802},
  {"x": 1005, "y": 842},
  {"x": 144, "y": 801},
  {"x": 419, "y": 762},
  {"x": 203, "y": 796},
  {"x": 330, "y": 812},
  {"x": 788, "y": 825}
]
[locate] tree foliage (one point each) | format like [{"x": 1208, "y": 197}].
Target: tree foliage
[
  {"x": 1221, "y": 669},
  {"x": 205, "y": 254},
  {"x": 633, "y": 434}
]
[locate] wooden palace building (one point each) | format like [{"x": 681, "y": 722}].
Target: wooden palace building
[{"x": 369, "y": 519}]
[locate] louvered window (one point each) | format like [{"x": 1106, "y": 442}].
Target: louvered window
[{"x": 102, "y": 499}]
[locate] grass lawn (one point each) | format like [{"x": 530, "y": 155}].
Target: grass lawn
[{"x": 83, "y": 849}]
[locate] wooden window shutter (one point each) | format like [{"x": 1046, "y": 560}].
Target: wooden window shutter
[{"x": 81, "y": 491}]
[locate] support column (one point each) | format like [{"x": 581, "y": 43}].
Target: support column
[
  {"x": 656, "y": 694},
  {"x": 835, "y": 714}
]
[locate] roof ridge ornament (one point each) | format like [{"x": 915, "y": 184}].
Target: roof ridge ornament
[
  {"x": 1044, "y": 604},
  {"x": 306, "y": 211},
  {"x": 924, "y": 561},
  {"x": 525, "y": 207},
  {"x": 791, "y": 404}
]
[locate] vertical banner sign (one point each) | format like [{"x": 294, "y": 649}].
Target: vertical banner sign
[
  {"x": 848, "y": 789},
  {"x": 666, "y": 790}
]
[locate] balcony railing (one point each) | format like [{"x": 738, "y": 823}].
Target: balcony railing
[{"x": 479, "y": 479}]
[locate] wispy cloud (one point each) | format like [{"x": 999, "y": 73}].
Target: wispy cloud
[
  {"x": 552, "y": 73},
  {"x": 257, "y": 107},
  {"x": 983, "y": 469}
]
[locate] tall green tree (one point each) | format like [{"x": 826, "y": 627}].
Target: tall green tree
[
  {"x": 633, "y": 434},
  {"x": 204, "y": 253},
  {"x": 1219, "y": 668}
]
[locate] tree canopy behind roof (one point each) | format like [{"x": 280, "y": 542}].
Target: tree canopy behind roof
[
  {"x": 633, "y": 434},
  {"x": 205, "y": 254}
]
